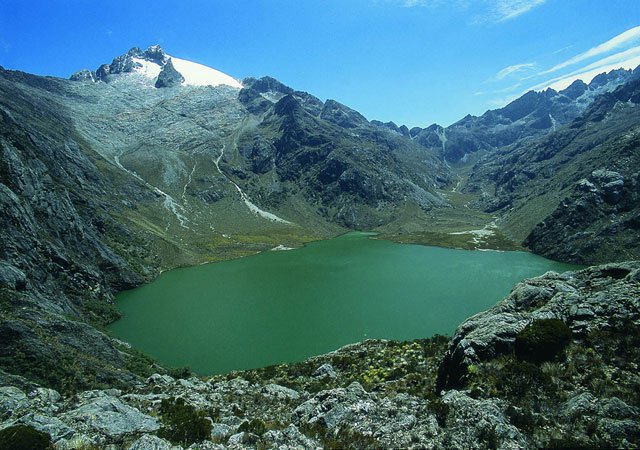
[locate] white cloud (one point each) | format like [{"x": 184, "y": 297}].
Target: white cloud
[
  {"x": 563, "y": 49},
  {"x": 504, "y": 10},
  {"x": 412, "y": 3},
  {"x": 627, "y": 37},
  {"x": 490, "y": 10},
  {"x": 513, "y": 69},
  {"x": 628, "y": 59}
]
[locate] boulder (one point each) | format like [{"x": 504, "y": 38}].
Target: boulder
[
  {"x": 109, "y": 416},
  {"x": 12, "y": 402},
  {"x": 151, "y": 442}
]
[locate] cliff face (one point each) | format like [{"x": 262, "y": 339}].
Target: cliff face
[
  {"x": 552, "y": 365},
  {"x": 59, "y": 268}
]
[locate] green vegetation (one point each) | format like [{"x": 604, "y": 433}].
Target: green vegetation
[
  {"x": 99, "y": 312},
  {"x": 340, "y": 439},
  {"x": 601, "y": 364},
  {"x": 383, "y": 366},
  {"x": 182, "y": 423},
  {"x": 23, "y": 437},
  {"x": 255, "y": 426},
  {"x": 542, "y": 340}
]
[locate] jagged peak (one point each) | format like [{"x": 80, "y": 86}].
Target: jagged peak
[{"x": 150, "y": 64}]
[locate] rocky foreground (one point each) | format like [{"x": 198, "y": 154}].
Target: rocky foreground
[{"x": 555, "y": 364}]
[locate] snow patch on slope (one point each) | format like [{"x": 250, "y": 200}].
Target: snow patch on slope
[
  {"x": 199, "y": 75},
  {"x": 147, "y": 68},
  {"x": 194, "y": 74}
]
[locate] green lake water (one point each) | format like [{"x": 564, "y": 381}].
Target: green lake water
[{"x": 283, "y": 306}]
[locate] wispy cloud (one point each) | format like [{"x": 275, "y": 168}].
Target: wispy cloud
[
  {"x": 628, "y": 59},
  {"x": 563, "y": 49},
  {"x": 502, "y": 74},
  {"x": 504, "y": 10},
  {"x": 489, "y": 10},
  {"x": 627, "y": 37},
  {"x": 412, "y": 3}
]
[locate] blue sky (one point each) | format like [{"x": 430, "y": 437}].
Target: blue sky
[{"x": 411, "y": 61}]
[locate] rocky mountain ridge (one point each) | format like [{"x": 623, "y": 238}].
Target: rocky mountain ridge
[{"x": 532, "y": 115}]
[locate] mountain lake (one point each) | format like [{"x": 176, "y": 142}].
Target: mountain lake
[{"x": 284, "y": 306}]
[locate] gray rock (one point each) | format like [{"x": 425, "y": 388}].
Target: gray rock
[
  {"x": 156, "y": 378},
  {"x": 78, "y": 441},
  {"x": 325, "y": 370},
  {"x": 577, "y": 298},
  {"x": 111, "y": 417},
  {"x": 280, "y": 392},
  {"x": 289, "y": 438},
  {"x": 220, "y": 432},
  {"x": 84, "y": 75},
  {"x": 399, "y": 421},
  {"x": 169, "y": 76},
  {"x": 475, "y": 423},
  {"x": 205, "y": 445},
  {"x": 617, "y": 409},
  {"x": 243, "y": 440},
  {"x": 606, "y": 176},
  {"x": 12, "y": 402},
  {"x": 151, "y": 442},
  {"x": 53, "y": 426},
  {"x": 582, "y": 404},
  {"x": 334, "y": 407},
  {"x": 12, "y": 277}
]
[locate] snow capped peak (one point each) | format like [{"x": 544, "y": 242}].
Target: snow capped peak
[{"x": 151, "y": 62}]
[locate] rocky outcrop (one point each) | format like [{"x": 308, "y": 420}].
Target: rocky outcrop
[
  {"x": 587, "y": 301},
  {"x": 83, "y": 75},
  {"x": 599, "y": 305},
  {"x": 169, "y": 76},
  {"x": 126, "y": 63},
  {"x": 599, "y": 221}
]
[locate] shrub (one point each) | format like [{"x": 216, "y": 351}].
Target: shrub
[
  {"x": 182, "y": 423},
  {"x": 255, "y": 426},
  {"x": 542, "y": 340},
  {"x": 180, "y": 372},
  {"x": 23, "y": 437}
]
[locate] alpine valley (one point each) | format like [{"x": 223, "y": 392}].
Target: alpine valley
[{"x": 153, "y": 162}]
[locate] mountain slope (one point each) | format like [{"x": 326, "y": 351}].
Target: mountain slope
[
  {"x": 63, "y": 255},
  {"x": 577, "y": 186}
]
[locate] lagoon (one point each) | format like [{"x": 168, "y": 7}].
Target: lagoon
[{"x": 283, "y": 306}]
